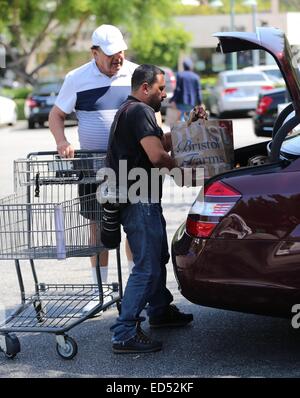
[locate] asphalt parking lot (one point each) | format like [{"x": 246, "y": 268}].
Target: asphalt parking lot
[{"x": 218, "y": 343}]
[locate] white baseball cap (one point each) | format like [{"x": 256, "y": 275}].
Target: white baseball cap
[{"x": 109, "y": 38}]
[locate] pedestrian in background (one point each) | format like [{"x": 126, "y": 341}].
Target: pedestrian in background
[
  {"x": 95, "y": 91},
  {"x": 187, "y": 93}
]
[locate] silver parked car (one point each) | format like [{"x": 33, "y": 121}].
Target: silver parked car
[
  {"x": 238, "y": 91},
  {"x": 170, "y": 79},
  {"x": 272, "y": 72}
]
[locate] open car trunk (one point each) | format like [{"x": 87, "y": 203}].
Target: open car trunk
[
  {"x": 239, "y": 248},
  {"x": 251, "y": 159},
  {"x": 266, "y": 156}
]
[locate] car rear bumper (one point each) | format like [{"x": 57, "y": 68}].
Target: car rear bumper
[
  {"x": 239, "y": 104},
  {"x": 263, "y": 126},
  {"x": 42, "y": 116},
  {"x": 236, "y": 275},
  {"x": 39, "y": 117}
]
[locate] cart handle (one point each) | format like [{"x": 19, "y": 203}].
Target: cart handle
[{"x": 81, "y": 151}]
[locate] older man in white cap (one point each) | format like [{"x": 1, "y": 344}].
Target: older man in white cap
[{"x": 95, "y": 91}]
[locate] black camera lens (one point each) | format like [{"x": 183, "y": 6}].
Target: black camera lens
[{"x": 110, "y": 226}]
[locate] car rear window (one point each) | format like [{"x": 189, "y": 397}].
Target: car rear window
[
  {"x": 244, "y": 78},
  {"x": 273, "y": 73},
  {"x": 48, "y": 88},
  {"x": 168, "y": 80}
]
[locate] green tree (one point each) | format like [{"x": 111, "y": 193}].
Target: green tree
[
  {"x": 204, "y": 7},
  {"x": 289, "y": 5},
  {"x": 51, "y": 28},
  {"x": 161, "y": 46}
]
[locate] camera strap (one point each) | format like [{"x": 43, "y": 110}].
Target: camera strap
[
  {"x": 114, "y": 125},
  {"x": 113, "y": 129}
]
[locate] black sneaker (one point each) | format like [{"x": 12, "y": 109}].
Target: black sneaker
[
  {"x": 171, "y": 318},
  {"x": 139, "y": 343}
]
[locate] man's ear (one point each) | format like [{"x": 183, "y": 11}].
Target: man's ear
[
  {"x": 145, "y": 88},
  {"x": 95, "y": 55}
]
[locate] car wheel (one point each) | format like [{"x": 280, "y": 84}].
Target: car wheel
[
  {"x": 257, "y": 132},
  {"x": 219, "y": 114},
  {"x": 31, "y": 124},
  {"x": 211, "y": 110},
  {"x": 13, "y": 120}
]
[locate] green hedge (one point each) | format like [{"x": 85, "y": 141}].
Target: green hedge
[
  {"x": 16, "y": 93},
  {"x": 208, "y": 81},
  {"x": 205, "y": 97},
  {"x": 20, "y": 108}
]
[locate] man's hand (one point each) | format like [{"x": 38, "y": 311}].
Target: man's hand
[
  {"x": 65, "y": 149},
  {"x": 167, "y": 142},
  {"x": 198, "y": 112},
  {"x": 56, "y": 125}
]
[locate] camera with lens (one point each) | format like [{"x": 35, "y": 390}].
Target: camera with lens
[
  {"x": 113, "y": 199},
  {"x": 110, "y": 225}
]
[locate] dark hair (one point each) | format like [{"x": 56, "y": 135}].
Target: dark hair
[
  {"x": 145, "y": 74},
  {"x": 188, "y": 64}
]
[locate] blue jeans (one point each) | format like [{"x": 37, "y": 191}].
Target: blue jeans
[
  {"x": 183, "y": 108},
  {"x": 145, "y": 227}
]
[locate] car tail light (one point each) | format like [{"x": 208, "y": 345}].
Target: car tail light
[
  {"x": 31, "y": 103},
  {"x": 199, "y": 229},
  {"x": 229, "y": 90},
  {"x": 219, "y": 199},
  {"x": 263, "y": 105},
  {"x": 267, "y": 87},
  {"x": 173, "y": 81}
]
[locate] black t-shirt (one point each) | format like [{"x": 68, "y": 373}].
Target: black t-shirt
[{"x": 136, "y": 121}]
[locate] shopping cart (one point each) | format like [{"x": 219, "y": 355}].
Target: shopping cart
[{"x": 54, "y": 215}]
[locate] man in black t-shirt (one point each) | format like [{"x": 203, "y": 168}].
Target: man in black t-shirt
[{"x": 138, "y": 141}]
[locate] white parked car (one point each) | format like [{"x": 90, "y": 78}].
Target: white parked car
[
  {"x": 272, "y": 71},
  {"x": 238, "y": 91},
  {"x": 8, "y": 111}
]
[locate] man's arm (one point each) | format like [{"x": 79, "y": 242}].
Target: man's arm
[
  {"x": 56, "y": 125},
  {"x": 167, "y": 142},
  {"x": 156, "y": 153}
]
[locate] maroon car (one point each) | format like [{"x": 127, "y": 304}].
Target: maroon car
[{"x": 240, "y": 248}]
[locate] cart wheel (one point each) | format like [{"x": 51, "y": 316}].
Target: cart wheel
[
  {"x": 12, "y": 346},
  {"x": 69, "y": 350}
]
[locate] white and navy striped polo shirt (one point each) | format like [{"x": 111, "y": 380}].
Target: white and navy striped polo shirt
[{"x": 96, "y": 98}]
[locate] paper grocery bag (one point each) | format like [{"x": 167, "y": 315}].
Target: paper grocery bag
[{"x": 204, "y": 143}]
